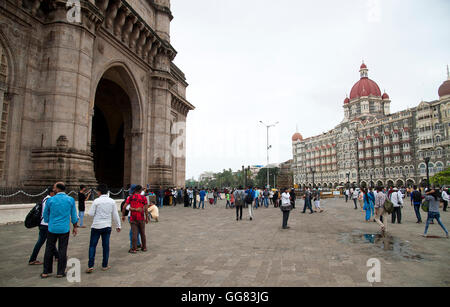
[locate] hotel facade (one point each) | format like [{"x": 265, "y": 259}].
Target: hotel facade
[{"x": 372, "y": 147}]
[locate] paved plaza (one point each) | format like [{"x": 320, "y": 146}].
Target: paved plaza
[{"x": 196, "y": 248}]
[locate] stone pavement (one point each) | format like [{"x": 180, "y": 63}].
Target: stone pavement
[{"x": 194, "y": 248}]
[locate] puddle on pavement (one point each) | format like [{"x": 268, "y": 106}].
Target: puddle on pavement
[{"x": 384, "y": 242}]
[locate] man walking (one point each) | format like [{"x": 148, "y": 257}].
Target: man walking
[
  {"x": 239, "y": 196},
  {"x": 380, "y": 199},
  {"x": 355, "y": 195},
  {"x": 60, "y": 211},
  {"x": 81, "y": 203},
  {"x": 266, "y": 198},
  {"x": 308, "y": 205},
  {"x": 256, "y": 193},
  {"x": 161, "y": 197},
  {"x": 202, "y": 195},
  {"x": 103, "y": 209},
  {"x": 138, "y": 218},
  {"x": 416, "y": 199},
  {"x": 194, "y": 194},
  {"x": 43, "y": 232},
  {"x": 445, "y": 198},
  {"x": 293, "y": 198},
  {"x": 249, "y": 196},
  {"x": 397, "y": 200}
]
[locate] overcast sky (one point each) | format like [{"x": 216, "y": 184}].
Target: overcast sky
[{"x": 294, "y": 62}]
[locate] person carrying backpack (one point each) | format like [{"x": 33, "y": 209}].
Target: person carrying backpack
[
  {"x": 43, "y": 232},
  {"x": 249, "y": 196},
  {"x": 239, "y": 196}
]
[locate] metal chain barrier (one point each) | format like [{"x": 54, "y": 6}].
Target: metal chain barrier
[
  {"x": 45, "y": 191},
  {"x": 24, "y": 193}
]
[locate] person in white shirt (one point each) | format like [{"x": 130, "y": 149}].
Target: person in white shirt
[
  {"x": 286, "y": 207},
  {"x": 445, "y": 198},
  {"x": 397, "y": 200},
  {"x": 43, "y": 231},
  {"x": 355, "y": 195},
  {"x": 103, "y": 210}
]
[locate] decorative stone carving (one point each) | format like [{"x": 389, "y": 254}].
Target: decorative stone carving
[
  {"x": 131, "y": 20},
  {"x": 62, "y": 142},
  {"x": 111, "y": 13},
  {"x": 120, "y": 20}
]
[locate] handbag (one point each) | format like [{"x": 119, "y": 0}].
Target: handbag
[{"x": 388, "y": 206}]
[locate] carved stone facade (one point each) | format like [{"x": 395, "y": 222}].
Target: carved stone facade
[
  {"x": 98, "y": 100},
  {"x": 373, "y": 147}
]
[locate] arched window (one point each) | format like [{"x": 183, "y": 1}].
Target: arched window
[
  {"x": 439, "y": 167},
  {"x": 423, "y": 169}
]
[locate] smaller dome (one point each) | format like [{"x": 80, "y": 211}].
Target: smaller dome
[
  {"x": 444, "y": 89},
  {"x": 363, "y": 66},
  {"x": 385, "y": 96},
  {"x": 297, "y": 137},
  {"x": 347, "y": 100}
]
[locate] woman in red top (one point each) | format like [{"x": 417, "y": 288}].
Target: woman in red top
[{"x": 138, "y": 218}]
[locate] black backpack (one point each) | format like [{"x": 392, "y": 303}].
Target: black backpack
[
  {"x": 33, "y": 218},
  {"x": 249, "y": 197}
]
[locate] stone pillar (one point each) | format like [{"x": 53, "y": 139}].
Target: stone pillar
[
  {"x": 160, "y": 170},
  {"x": 68, "y": 52}
]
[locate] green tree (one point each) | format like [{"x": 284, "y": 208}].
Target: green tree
[
  {"x": 442, "y": 178},
  {"x": 261, "y": 178}
]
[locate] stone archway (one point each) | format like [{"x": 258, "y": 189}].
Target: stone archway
[{"x": 116, "y": 116}]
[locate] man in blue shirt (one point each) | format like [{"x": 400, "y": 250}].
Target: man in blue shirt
[
  {"x": 202, "y": 195},
  {"x": 59, "y": 212}
]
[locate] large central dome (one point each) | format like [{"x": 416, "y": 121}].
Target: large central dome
[{"x": 365, "y": 86}]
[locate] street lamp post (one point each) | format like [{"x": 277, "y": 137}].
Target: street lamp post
[
  {"x": 268, "y": 147},
  {"x": 312, "y": 171},
  {"x": 348, "y": 180},
  {"x": 427, "y": 161}
]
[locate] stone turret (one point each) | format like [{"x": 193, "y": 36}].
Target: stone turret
[{"x": 163, "y": 18}]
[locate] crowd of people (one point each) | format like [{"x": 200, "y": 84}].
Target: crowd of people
[
  {"x": 372, "y": 202},
  {"x": 59, "y": 211}
]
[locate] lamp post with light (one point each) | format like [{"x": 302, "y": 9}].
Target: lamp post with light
[{"x": 268, "y": 147}]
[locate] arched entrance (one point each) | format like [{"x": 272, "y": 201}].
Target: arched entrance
[{"x": 115, "y": 115}]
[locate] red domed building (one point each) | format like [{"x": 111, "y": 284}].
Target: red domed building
[{"x": 366, "y": 100}]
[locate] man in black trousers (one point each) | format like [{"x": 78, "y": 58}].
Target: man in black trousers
[{"x": 308, "y": 197}]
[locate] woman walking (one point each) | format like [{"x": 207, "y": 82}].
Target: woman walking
[
  {"x": 433, "y": 197},
  {"x": 368, "y": 203},
  {"x": 286, "y": 207}
]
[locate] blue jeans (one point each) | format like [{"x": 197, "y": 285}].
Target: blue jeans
[
  {"x": 431, "y": 217},
  {"x": 105, "y": 233},
  {"x": 266, "y": 202},
  {"x": 81, "y": 216},
  {"x": 202, "y": 202},
  {"x": 160, "y": 201},
  {"x": 417, "y": 210},
  {"x": 256, "y": 203},
  {"x": 131, "y": 237}
]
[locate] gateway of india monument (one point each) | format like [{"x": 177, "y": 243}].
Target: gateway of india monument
[{"x": 89, "y": 94}]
